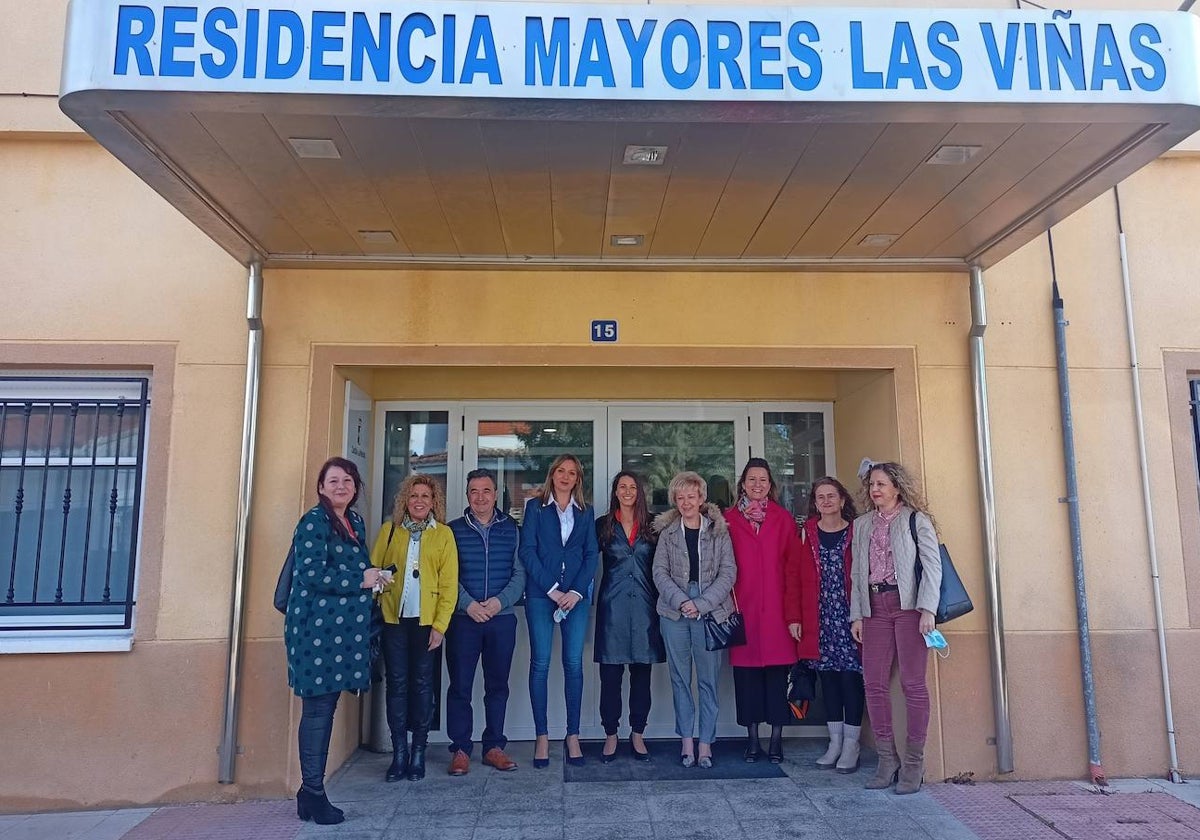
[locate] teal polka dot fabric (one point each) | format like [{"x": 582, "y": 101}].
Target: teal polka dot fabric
[{"x": 327, "y": 627}]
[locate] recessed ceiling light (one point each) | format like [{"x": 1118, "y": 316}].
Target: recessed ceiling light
[
  {"x": 377, "y": 237},
  {"x": 647, "y": 454},
  {"x": 878, "y": 240},
  {"x": 645, "y": 155},
  {"x": 953, "y": 155},
  {"x": 314, "y": 147},
  {"x": 550, "y": 430},
  {"x": 626, "y": 239}
]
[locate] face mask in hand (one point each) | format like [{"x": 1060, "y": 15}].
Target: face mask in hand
[{"x": 935, "y": 640}]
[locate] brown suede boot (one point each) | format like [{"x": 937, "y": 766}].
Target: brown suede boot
[
  {"x": 889, "y": 764},
  {"x": 912, "y": 768}
]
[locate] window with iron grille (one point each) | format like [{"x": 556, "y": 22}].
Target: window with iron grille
[{"x": 71, "y": 472}]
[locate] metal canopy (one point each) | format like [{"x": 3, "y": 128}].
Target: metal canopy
[{"x": 499, "y": 180}]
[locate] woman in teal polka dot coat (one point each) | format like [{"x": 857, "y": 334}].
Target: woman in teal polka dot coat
[{"x": 327, "y": 627}]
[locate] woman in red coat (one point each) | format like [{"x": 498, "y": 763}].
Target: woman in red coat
[{"x": 765, "y": 544}]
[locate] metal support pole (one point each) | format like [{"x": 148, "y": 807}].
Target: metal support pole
[
  {"x": 228, "y": 749},
  {"x": 991, "y": 554},
  {"x": 1173, "y": 773},
  {"x": 1091, "y": 718}
]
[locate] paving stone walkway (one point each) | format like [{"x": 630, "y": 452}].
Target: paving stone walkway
[{"x": 531, "y": 804}]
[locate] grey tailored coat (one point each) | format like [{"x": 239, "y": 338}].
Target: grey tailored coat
[
  {"x": 626, "y": 623},
  {"x": 718, "y": 571}
]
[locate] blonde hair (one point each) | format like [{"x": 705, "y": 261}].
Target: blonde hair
[
  {"x": 547, "y": 493},
  {"x": 400, "y": 507},
  {"x": 687, "y": 479},
  {"x": 910, "y": 491}
]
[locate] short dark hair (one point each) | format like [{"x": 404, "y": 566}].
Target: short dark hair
[{"x": 483, "y": 472}]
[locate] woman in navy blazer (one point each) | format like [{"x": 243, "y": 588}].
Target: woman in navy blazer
[{"x": 560, "y": 554}]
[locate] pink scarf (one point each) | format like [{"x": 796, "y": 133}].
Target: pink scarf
[{"x": 754, "y": 511}]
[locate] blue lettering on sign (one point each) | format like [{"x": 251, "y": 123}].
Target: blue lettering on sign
[
  {"x": 604, "y": 331},
  {"x": 728, "y": 53}
]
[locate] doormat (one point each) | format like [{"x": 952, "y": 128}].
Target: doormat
[{"x": 664, "y": 764}]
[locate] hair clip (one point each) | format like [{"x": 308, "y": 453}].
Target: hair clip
[{"x": 865, "y": 467}]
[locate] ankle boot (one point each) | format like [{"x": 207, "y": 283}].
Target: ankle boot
[
  {"x": 335, "y": 809},
  {"x": 753, "y": 748},
  {"x": 416, "y": 763},
  {"x": 848, "y": 761},
  {"x": 912, "y": 768},
  {"x": 889, "y": 765},
  {"x": 830, "y": 758},
  {"x": 316, "y": 807},
  {"x": 775, "y": 746},
  {"x": 399, "y": 766}
]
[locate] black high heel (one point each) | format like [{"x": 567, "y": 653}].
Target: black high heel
[
  {"x": 753, "y": 747},
  {"x": 775, "y": 746},
  {"x": 541, "y": 763},
  {"x": 638, "y": 756},
  {"x": 608, "y": 757},
  {"x": 573, "y": 760}
]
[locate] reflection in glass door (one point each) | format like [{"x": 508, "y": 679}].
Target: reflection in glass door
[{"x": 659, "y": 449}]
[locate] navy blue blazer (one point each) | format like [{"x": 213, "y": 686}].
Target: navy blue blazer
[{"x": 547, "y": 561}]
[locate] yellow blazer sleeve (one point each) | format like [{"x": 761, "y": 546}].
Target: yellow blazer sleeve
[
  {"x": 382, "y": 556},
  {"x": 447, "y": 597}
]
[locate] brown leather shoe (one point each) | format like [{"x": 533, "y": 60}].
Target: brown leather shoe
[
  {"x": 460, "y": 763},
  {"x": 495, "y": 757}
]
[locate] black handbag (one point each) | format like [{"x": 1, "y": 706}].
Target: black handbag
[
  {"x": 283, "y": 586},
  {"x": 719, "y": 635},
  {"x": 953, "y": 600},
  {"x": 801, "y": 689}
]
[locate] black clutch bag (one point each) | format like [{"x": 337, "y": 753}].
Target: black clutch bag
[{"x": 731, "y": 632}]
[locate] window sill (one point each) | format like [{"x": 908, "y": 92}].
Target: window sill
[{"x": 78, "y": 642}]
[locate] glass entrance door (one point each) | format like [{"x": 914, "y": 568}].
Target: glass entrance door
[{"x": 657, "y": 443}]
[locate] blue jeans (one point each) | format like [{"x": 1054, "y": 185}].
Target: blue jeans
[
  {"x": 539, "y": 614},
  {"x": 468, "y": 641},
  {"x": 684, "y": 638}
]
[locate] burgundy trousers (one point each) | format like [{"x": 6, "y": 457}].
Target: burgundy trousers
[{"x": 891, "y": 633}]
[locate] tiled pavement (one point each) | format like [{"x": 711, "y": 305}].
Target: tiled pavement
[{"x": 539, "y": 805}]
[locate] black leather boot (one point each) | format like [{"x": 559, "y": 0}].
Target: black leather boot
[
  {"x": 775, "y": 747},
  {"x": 753, "y": 748},
  {"x": 400, "y": 760},
  {"x": 316, "y": 807},
  {"x": 416, "y": 763}
]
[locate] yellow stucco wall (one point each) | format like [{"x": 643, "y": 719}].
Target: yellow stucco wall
[{"x": 92, "y": 257}]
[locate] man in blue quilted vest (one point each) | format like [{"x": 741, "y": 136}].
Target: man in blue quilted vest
[{"x": 484, "y": 627}]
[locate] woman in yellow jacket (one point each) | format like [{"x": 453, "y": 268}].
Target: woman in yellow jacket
[{"x": 418, "y": 547}]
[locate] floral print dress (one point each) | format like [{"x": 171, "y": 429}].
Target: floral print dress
[{"x": 838, "y": 649}]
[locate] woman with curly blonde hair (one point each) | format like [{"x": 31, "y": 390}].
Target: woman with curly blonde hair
[
  {"x": 419, "y": 549},
  {"x": 890, "y": 611}
]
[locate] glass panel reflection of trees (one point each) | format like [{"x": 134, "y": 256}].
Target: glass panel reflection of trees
[
  {"x": 521, "y": 451},
  {"x": 659, "y": 449},
  {"x": 795, "y": 447}
]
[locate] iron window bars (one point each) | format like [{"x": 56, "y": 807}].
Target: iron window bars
[{"x": 71, "y": 464}]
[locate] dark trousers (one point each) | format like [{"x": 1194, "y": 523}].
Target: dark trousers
[
  {"x": 467, "y": 642},
  {"x": 408, "y": 665},
  {"x": 761, "y": 695},
  {"x": 316, "y": 727},
  {"x": 842, "y": 693},
  {"x": 611, "y": 677}
]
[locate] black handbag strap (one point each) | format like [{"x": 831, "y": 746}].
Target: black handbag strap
[{"x": 912, "y": 529}]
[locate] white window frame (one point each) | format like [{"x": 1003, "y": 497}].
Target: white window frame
[{"x": 22, "y": 634}]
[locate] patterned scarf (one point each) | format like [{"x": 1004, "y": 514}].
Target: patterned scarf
[
  {"x": 754, "y": 511},
  {"x": 415, "y": 528}
]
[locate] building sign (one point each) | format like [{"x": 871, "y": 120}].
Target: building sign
[{"x": 643, "y": 52}]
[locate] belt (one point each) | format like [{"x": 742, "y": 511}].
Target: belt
[{"x": 877, "y": 588}]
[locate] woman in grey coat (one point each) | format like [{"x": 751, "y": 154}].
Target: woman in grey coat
[{"x": 694, "y": 571}]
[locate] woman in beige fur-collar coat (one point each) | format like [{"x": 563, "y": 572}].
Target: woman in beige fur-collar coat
[{"x": 694, "y": 572}]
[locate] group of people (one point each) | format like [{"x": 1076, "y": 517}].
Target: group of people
[{"x": 840, "y": 593}]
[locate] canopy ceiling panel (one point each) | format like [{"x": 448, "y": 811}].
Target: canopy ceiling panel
[{"x": 913, "y": 168}]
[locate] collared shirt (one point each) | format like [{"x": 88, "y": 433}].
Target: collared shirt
[
  {"x": 410, "y": 600},
  {"x": 566, "y": 518},
  {"x": 882, "y": 566},
  {"x": 566, "y": 524}
]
